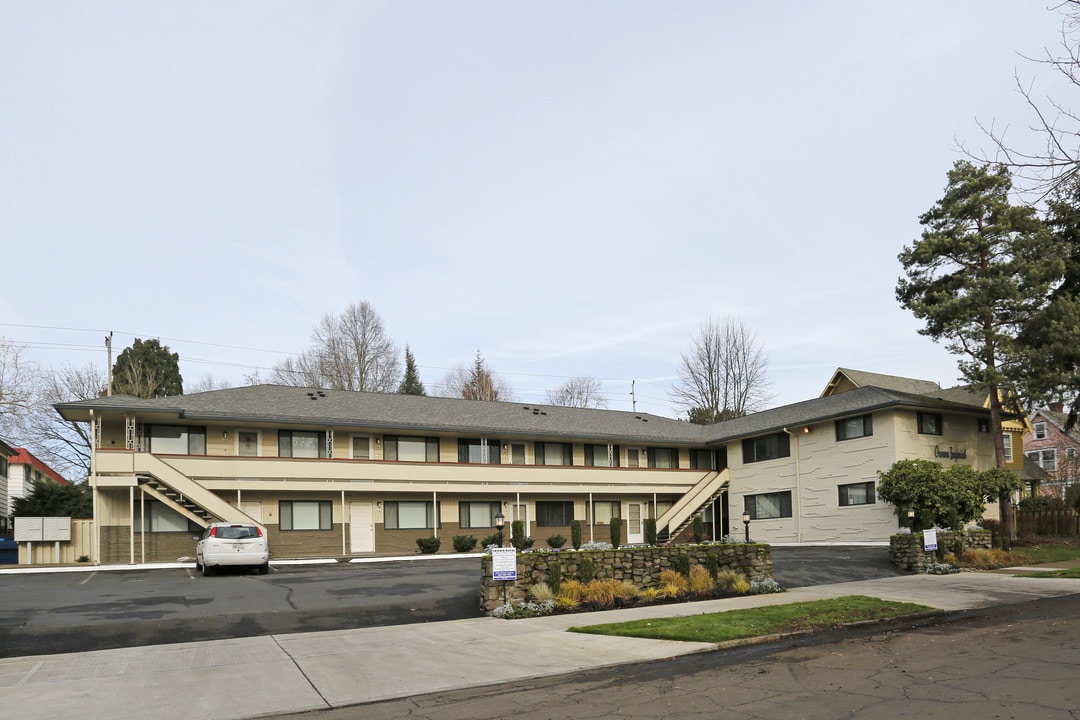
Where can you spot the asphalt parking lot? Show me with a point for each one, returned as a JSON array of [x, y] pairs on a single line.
[[804, 566]]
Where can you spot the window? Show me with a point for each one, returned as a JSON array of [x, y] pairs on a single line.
[[929, 424], [768, 447], [701, 459], [413, 449], [984, 425], [478, 514], [1046, 459], [360, 448], [1070, 453], [661, 457], [247, 443], [857, 494], [554, 513], [554, 454], [633, 457], [1040, 431], [856, 427], [301, 443], [1007, 439], [305, 515], [603, 511], [662, 507], [410, 515], [597, 456], [517, 453], [480, 451], [768, 505], [161, 518], [177, 440]]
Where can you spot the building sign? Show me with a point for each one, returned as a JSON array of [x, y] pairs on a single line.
[[504, 564], [929, 538]]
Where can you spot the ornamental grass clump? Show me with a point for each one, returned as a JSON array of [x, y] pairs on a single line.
[[982, 559], [573, 590], [601, 593], [673, 584], [726, 579], [541, 592], [651, 594], [700, 580]]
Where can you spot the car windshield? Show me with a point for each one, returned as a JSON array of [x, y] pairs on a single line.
[[236, 533]]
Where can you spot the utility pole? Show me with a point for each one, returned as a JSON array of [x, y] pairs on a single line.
[[108, 346], [633, 397]]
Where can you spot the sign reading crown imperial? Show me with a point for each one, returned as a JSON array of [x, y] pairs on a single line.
[[504, 564]]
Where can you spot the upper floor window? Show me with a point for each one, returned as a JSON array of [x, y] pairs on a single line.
[[177, 440], [1046, 459], [768, 447], [414, 449], [554, 453], [360, 447], [301, 444], [930, 424], [1007, 439], [701, 459], [663, 457], [1040, 430], [479, 451], [856, 427], [602, 455]]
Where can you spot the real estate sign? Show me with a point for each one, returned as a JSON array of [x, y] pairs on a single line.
[[929, 538], [504, 564]]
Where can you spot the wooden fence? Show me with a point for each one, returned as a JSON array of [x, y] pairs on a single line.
[[76, 550], [1060, 523]]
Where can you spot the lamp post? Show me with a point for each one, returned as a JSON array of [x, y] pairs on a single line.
[[911, 520], [746, 525], [500, 521]]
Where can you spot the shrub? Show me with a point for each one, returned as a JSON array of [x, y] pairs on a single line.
[[698, 529], [712, 564], [524, 610], [615, 531], [464, 543], [958, 547], [650, 531], [555, 576], [682, 564], [1040, 503], [586, 569], [556, 541], [541, 592], [428, 545], [597, 545], [492, 539], [768, 585], [1072, 496], [517, 536], [575, 534], [701, 581], [986, 559], [940, 568]]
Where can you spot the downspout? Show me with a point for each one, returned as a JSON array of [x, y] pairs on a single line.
[[798, 485]]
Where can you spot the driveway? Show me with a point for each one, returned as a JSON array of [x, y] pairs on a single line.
[[813, 565]]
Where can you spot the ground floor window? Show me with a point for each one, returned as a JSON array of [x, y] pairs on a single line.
[[554, 513], [478, 514], [857, 494], [604, 511], [768, 505], [160, 517], [305, 515], [410, 515]]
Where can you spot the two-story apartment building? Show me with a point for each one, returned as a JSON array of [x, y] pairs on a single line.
[[19, 470], [345, 473]]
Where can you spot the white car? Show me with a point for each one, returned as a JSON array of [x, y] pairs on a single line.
[[233, 544]]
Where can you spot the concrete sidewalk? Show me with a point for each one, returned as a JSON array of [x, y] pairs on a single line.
[[281, 674]]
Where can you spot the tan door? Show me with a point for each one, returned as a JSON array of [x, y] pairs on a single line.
[[361, 527], [635, 530], [253, 509]]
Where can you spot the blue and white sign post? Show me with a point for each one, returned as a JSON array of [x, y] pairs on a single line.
[[504, 566], [929, 539]]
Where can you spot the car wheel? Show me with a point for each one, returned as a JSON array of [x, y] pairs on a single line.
[[264, 568], [206, 570]]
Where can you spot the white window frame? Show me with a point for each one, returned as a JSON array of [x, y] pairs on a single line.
[[1039, 430], [370, 446], [1007, 439]]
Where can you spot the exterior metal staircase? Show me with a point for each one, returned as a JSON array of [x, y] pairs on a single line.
[[184, 495], [681, 514]]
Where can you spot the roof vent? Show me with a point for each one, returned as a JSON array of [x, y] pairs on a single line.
[[536, 411]]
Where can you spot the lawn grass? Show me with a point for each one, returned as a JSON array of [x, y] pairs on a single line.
[[753, 622], [1046, 552], [1067, 573]]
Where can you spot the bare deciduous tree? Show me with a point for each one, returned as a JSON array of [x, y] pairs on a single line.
[[724, 374], [18, 383], [350, 351], [581, 392], [475, 383], [207, 383], [64, 445]]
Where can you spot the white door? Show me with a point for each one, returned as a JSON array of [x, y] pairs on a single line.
[[361, 527], [635, 529]]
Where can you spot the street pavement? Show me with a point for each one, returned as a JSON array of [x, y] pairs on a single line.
[[280, 674]]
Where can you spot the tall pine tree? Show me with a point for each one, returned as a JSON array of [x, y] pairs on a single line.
[[981, 270], [410, 383]]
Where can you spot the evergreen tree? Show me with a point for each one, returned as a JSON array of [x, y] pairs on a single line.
[[51, 499], [147, 369], [981, 270], [410, 383]]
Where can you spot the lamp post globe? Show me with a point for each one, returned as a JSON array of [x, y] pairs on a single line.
[[746, 526], [500, 521]]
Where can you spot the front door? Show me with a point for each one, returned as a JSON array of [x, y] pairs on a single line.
[[361, 527], [635, 530]]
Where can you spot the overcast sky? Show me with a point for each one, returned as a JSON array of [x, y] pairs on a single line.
[[570, 188]]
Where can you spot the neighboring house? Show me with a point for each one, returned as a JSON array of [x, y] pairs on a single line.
[[5, 498], [18, 470], [1054, 449], [346, 473]]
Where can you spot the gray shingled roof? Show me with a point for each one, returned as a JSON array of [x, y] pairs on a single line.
[[411, 413], [914, 386]]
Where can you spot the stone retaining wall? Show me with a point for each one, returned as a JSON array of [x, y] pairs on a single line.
[[906, 551], [640, 565]]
